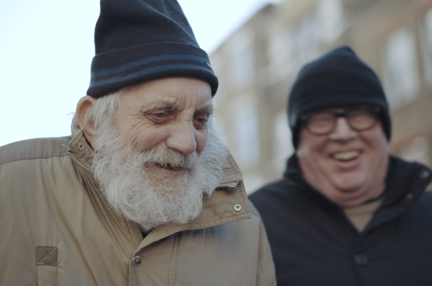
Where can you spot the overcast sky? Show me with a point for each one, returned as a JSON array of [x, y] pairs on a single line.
[[46, 48]]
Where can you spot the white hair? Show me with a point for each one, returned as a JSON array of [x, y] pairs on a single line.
[[141, 192], [102, 110]]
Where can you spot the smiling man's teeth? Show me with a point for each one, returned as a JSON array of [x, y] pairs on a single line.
[[345, 156]]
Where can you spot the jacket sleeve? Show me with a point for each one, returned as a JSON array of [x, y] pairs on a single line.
[[266, 275]]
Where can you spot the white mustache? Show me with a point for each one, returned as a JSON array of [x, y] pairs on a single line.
[[168, 158]]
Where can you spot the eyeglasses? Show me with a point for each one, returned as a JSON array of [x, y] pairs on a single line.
[[324, 122]]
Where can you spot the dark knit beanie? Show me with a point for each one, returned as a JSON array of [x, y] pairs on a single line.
[[141, 40], [337, 79]]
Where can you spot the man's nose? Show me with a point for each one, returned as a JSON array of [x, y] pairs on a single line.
[[343, 131], [183, 139]]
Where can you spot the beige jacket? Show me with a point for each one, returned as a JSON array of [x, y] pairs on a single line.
[[56, 228]]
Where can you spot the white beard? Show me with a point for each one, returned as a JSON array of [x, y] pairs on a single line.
[[142, 192]]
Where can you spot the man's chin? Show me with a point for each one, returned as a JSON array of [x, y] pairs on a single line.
[[348, 182], [350, 193], [349, 187]]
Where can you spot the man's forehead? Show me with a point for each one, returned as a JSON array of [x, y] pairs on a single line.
[[175, 103], [341, 108], [338, 109]]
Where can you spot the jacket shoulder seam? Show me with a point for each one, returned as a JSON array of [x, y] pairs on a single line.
[[43, 148], [28, 159]]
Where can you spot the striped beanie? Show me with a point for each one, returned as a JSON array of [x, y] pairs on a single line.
[[141, 40]]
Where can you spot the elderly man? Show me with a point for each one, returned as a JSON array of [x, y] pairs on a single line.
[[346, 212], [143, 192]]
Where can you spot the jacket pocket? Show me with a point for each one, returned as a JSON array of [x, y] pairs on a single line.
[[46, 261]]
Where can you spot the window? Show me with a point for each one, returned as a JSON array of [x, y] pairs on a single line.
[[330, 15], [289, 49], [426, 36], [247, 136], [306, 37], [281, 54], [218, 65], [400, 68], [242, 59]]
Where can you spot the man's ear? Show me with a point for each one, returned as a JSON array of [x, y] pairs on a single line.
[[84, 121]]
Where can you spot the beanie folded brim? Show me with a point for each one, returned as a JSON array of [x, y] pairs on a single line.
[[335, 90], [114, 70]]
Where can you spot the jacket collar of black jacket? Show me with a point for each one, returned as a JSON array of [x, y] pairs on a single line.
[[405, 182]]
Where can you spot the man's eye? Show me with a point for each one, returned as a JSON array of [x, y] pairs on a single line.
[[160, 115], [200, 122]]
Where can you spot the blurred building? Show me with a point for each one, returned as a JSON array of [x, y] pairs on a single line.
[[257, 64]]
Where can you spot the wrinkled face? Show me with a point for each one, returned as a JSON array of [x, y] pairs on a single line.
[[346, 166], [167, 113], [151, 162]]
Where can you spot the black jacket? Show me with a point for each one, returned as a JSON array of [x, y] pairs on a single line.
[[313, 243]]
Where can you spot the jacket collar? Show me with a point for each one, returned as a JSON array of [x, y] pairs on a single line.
[[400, 176], [80, 150], [405, 183], [295, 178], [228, 203]]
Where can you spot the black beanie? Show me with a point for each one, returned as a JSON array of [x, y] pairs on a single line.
[[141, 40], [337, 79]]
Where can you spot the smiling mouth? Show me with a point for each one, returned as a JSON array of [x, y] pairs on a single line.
[[169, 167], [346, 156]]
